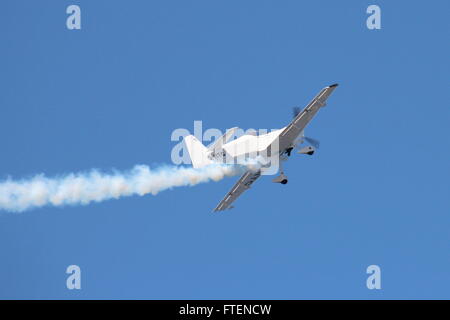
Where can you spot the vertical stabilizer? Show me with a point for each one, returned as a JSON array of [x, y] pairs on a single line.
[[197, 152]]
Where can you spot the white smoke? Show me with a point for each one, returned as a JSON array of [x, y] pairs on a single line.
[[94, 186]]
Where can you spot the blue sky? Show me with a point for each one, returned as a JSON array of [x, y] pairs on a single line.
[[109, 96]]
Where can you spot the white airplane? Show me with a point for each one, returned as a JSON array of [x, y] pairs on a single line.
[[276, 145]]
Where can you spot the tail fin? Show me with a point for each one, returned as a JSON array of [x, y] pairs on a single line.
[[197, 152]]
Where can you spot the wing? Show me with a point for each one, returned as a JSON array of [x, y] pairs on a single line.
[[241, 185], [293, 130]]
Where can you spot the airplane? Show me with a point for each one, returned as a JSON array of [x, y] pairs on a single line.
[[277, 144]]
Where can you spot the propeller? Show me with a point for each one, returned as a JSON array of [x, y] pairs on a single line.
[[315, 143]]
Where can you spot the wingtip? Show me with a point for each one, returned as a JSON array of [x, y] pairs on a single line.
[[334, 85], [222, 209]]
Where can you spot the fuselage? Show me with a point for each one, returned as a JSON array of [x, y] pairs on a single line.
[[252, 145]]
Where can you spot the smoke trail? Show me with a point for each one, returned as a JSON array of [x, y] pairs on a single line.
[[84, 188]]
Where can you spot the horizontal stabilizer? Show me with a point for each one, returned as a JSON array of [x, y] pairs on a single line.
[[217, 145]]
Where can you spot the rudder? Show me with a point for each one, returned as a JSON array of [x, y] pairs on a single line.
[[197, 152]]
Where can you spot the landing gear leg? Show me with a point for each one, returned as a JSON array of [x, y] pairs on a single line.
[[288, 151], [281, 178]]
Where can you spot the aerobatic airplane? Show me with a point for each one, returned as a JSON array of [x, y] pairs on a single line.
[[275, 145]]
